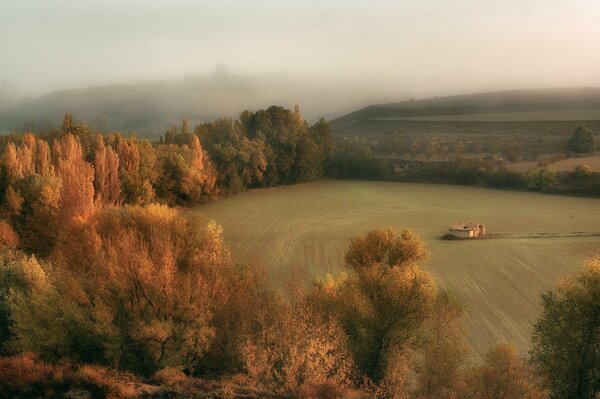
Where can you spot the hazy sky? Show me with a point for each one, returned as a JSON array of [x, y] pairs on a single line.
[[415, 47]]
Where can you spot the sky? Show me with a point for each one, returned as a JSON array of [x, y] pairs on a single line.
[[401, 49]]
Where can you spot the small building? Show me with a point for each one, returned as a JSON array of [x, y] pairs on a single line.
[[467, 230]]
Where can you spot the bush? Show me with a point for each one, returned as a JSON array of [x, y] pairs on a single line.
[[582, 172], [540, 179], [25, 376], [583, 140]]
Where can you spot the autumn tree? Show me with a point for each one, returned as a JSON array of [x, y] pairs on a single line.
[[131, 287], [566, 338], [442, 354], [382, 303], [186, 172], [107, 183], [504, 375], [298, 347], [137, 168], [248, 304], [77, 179]]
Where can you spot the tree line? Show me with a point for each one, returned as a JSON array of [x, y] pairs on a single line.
[[48, 179]]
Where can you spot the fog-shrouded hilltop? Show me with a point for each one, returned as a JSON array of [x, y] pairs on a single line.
[[148, 108], [455, 113]]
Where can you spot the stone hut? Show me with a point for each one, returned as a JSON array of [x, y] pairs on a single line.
[[467, 230]]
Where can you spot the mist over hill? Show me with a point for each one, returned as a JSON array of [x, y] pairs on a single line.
[[148, 108]]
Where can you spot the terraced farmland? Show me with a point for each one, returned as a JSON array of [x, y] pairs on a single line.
[[308, 226]]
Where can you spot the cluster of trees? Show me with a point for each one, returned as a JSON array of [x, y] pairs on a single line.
[[357, 159], [48, 179], [46, 183], [263, 148], [144, 289]]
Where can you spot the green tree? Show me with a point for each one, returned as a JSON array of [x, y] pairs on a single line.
[[293, 151], [14, 270], [582, 140], [566, 338], [540, 179], [240, 162], [36, 220]]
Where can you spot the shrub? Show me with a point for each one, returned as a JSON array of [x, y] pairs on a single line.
[[583, 140]]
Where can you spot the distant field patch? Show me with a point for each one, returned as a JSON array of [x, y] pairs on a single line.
[[568, 115], [522, 167], [570, 164], [308, 227], [566, 165]]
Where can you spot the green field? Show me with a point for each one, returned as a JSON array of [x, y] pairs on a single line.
[[308, 227]]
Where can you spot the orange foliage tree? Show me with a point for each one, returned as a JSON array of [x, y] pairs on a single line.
[[77, 179], [142, 284], [381, 304]]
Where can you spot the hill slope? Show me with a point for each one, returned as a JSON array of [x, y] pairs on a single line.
[[149, 108], [575, 104]]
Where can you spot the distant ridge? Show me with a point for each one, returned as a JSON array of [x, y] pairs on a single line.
[[539, 102]]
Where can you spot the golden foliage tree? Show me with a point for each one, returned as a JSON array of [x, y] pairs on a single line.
[[160, 279], [141, 283], [503, 375], [186, 173], [137, 161], [382, 303], [442, 356], [107, 183], [298, 348], [77, 179]]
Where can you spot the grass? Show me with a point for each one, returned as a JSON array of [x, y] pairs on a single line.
[[307, 227]]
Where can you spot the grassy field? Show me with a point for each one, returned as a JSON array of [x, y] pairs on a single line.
[[308, 227]]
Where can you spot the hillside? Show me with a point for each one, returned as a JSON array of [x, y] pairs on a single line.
[[150, 107], [467, 113]]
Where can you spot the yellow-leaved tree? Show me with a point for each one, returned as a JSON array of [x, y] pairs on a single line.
[[381, 304], [131, 287]]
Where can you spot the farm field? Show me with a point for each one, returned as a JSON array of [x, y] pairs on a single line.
[[558, 115], [566, 165], [307, 227]]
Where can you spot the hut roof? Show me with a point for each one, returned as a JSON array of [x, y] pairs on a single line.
[[465, 226]]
